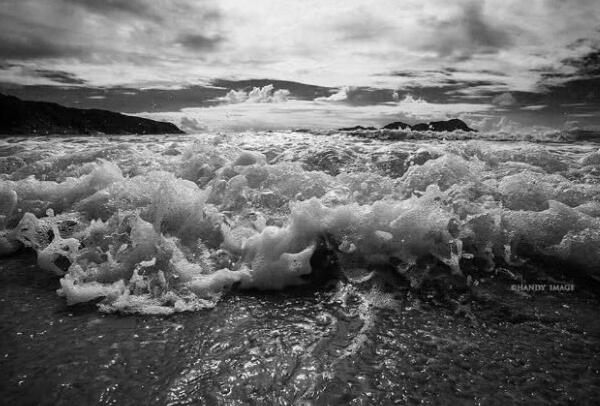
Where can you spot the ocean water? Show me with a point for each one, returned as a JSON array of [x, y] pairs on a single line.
[[299, 268]]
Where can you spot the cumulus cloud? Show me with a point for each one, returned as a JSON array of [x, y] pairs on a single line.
[[339, 96], [504, 100], [265, 94]]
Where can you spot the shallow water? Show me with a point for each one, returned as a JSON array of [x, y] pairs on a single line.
[[387, 267], [289, 347]]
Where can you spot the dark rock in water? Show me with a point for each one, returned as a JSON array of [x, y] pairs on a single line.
[[449, 125], [324, 261], [397, 125], [18, 117], [357, 128], [421, 127]]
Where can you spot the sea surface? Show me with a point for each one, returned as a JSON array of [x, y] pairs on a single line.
[[299, 268]]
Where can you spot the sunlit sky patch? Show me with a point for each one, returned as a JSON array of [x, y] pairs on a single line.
[[349, 62]]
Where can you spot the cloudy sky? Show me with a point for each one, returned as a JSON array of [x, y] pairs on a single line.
[[304, 63]]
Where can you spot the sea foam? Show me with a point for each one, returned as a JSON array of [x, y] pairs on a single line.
[[159, 226]]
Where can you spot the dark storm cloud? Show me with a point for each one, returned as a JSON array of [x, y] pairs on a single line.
[[404, 74], [123, 99], [586, 65], [451, 84], [554, 75], [60, 76], [585, 83], [442, 76], [575, 91], [455, 90], [477, 71], [199, 42], [31, 46], [100, 31], [466, 84], [132, 100], [136, 7], [364, 96], [576, 80], [204, 12], [415, 73], [559, 96], [583, 66], [467, 34], [444, 91]]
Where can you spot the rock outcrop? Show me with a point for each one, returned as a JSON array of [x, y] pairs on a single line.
[[449, 125], [357, 128], [438, 126], [396, 125]]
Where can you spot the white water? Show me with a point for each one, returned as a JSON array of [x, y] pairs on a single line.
[[168, 224]]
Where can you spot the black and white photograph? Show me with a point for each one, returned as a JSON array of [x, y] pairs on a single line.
[[299, 202]]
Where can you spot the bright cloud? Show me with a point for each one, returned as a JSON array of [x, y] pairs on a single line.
[[339, 96], [265, 94], [504, 100]]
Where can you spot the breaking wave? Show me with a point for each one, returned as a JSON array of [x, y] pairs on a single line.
[[163, 225], [501, 132]]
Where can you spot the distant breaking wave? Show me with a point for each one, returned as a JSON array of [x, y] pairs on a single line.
[[532, 134]]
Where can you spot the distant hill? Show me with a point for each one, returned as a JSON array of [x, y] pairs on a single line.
[[18, 117]]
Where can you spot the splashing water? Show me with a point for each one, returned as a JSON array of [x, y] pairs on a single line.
[[154, 226]]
